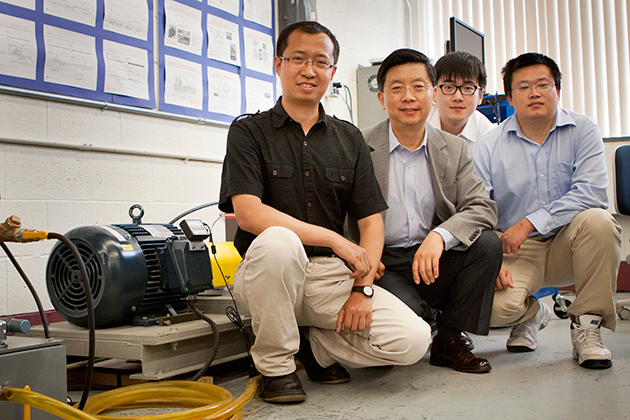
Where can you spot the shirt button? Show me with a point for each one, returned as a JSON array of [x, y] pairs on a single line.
[[307, 173], [409, 192], [309, 204], [542, 175], [275, 172], [544, 202], [343, 177], [305, 143]]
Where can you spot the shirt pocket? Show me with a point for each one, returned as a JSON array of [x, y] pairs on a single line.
[[563, 173], [340, 175], [340, 186], [277, 171]]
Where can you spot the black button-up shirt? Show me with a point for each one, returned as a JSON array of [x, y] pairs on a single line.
[[317, 178]]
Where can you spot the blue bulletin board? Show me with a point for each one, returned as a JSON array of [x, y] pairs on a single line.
[[225, 47], [213, 58], [78, 48]]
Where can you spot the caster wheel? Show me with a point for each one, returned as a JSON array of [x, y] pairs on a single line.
[[624, 313], [560, 307], [562, 314]]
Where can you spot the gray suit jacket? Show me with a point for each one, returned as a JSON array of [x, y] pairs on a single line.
[[462, 205]]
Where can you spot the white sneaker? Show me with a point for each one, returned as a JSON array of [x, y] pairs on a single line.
[[588, 348], [524, 336]]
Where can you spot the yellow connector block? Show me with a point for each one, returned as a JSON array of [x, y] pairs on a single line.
[[228, 258]]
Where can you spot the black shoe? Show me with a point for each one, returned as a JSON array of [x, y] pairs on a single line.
[[286, 389], [334, 374]]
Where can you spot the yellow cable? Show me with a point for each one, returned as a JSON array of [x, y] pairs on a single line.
[[211, 402]]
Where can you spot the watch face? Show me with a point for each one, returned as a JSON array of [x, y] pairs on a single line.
[[368, 291]]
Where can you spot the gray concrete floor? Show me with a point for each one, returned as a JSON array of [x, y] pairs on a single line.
[[544, 384]]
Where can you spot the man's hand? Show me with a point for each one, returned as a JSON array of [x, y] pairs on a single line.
[[355, 315], [505, 279], [356, 256], [380, 270], [426, 262], [513, 238]]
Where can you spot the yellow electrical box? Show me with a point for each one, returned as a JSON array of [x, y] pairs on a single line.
[[228, 258]]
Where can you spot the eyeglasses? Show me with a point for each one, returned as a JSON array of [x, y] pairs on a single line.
[[301, 62], [544, 86], [466, 90], [416, 89]]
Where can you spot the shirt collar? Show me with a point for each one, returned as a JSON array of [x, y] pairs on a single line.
[[561, 119], [394, 143], [280, 116]]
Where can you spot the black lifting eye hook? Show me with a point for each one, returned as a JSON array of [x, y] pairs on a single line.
[[136, 219]]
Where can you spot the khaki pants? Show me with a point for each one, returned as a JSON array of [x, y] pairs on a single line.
[[586, 252], [282, 288]]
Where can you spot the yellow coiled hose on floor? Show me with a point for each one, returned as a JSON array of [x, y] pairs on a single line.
[[210, 402]]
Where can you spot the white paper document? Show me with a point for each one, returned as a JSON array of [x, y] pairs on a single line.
[[27, 4], [223, 41], [18, 47], [183, 85], [127, 17], [126, 70], [230, 6], [70, 58], [259, 95], [183, 27], [224, 92], [82, 11], [258, 51], [258, 11]]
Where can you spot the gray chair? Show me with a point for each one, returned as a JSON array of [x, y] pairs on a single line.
[[622, 193]]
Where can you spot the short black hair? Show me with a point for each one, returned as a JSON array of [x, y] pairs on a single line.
[[461, 64], [526, 60], [404, 56], [307, 27]]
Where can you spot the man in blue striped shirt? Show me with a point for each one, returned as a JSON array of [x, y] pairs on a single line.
[[545, 168]]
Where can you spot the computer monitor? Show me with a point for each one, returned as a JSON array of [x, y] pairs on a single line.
[[465, 38]]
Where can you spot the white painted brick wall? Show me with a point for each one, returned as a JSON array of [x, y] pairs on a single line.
[[57, 190]]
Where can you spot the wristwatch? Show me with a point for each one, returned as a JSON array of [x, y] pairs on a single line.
[[367, 291]]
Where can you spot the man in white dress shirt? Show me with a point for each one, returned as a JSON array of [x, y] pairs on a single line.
[[461, 86]]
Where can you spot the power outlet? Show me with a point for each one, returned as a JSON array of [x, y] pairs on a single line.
[[334, 90]]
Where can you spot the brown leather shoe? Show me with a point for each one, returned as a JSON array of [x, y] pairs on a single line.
[[449, 350]]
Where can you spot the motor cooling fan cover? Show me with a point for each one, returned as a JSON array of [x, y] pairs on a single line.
[[117, 273]]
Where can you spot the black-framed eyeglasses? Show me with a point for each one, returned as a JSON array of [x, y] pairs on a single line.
[[301, 62], [466, 90]]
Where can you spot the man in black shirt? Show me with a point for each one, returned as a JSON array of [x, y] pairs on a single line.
[[291, 175]]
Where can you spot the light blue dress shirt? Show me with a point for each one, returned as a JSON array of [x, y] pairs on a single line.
[[410, 197], [549, 184]]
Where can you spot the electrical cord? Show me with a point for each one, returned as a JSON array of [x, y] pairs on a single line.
[[232, 312], [90, 314], [30, 286], [194, 209], [215, 330]]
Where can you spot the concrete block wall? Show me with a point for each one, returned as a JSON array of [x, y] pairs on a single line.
[[55, 189]]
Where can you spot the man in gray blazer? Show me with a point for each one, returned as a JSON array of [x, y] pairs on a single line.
[[440, 251]]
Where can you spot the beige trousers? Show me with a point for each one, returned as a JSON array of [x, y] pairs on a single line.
[[586, 252], [282, 288]]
